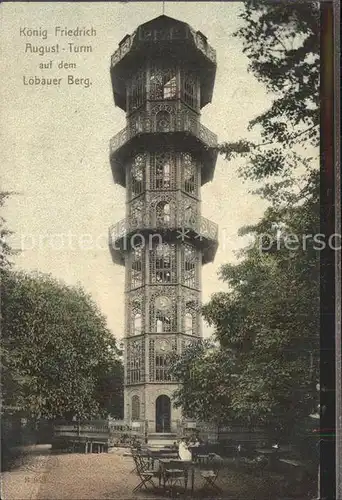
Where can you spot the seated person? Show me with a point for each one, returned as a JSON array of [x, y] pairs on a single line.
[[183, 451], [197, 442]]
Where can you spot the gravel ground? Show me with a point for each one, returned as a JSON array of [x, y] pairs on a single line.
[[107, 476], [88, 477], [23, 481]]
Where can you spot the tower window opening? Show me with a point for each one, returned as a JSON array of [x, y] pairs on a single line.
[[137, 267], [135, 408], [163, 213], [189, 174], [163, 268], [162, 171], [190, 216], [163, 323], [137, 324], [189, 90], [137, 318], [163, 259], [138, 175], [189, 269], [163, 316], [162, 366], [190, 312], [163, 271], [163, 175], [188, 323], [135, 370], [163, 83], [137, 91], [135, 362], [170, 89]]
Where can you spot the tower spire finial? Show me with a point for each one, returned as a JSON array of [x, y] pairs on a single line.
[[163, 7]]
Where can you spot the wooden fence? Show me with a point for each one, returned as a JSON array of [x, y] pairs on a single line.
[[81, 436], [122, 433]]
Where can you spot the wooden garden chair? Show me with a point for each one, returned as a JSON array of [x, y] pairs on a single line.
[[134, 453], [145, 475], [209, 472], [175, 474]]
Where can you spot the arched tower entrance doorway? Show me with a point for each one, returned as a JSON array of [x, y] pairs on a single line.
[[163, 414]]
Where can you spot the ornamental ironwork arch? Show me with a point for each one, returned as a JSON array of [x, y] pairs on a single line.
[[163, 213]]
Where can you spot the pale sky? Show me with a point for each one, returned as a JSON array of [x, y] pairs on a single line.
[[55, 141]]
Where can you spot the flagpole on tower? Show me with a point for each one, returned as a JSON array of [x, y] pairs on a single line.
[[163, 7]]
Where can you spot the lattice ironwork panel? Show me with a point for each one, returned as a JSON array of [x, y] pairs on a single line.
[[137, 123], [137, 266], [162, 209], [163, 83], [160, 351], [191, 312], [190, 266], [136, 181], [135, 312], [202, 44], [189, 212], [163, 171], [177, 32], [208, 228], [190, 89], [163, 310], [151, 359], [187, 342], [127, 271], [190, 174], [137, 90], [135, 368], [163, 264], [137, 213], [164, 118]]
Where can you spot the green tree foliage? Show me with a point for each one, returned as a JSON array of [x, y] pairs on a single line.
[[264, 369], [58, 353], [281, 41], [270, 318], [5, 249], [110, 388], [207, 377]]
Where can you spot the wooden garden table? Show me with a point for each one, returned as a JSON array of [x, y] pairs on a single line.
[[184, 465]]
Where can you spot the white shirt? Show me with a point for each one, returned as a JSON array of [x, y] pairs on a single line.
[[183, 452]]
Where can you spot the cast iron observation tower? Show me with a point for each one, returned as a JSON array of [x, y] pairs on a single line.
[[162, 75]]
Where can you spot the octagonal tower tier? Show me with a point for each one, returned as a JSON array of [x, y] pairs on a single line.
[[162, 75]]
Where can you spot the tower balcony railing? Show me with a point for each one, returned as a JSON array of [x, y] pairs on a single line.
[[170, 33], [203, 227], [124, 47], [146, 123]]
